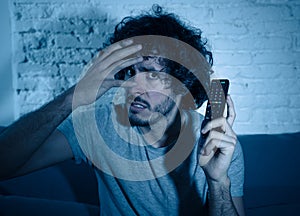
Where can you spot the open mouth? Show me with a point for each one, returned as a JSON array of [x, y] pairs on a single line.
[[138, 105]]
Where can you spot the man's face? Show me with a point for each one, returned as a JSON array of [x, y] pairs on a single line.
[[151, 95]]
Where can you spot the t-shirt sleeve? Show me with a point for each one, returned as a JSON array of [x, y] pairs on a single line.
[[236, 172], [66, 128]]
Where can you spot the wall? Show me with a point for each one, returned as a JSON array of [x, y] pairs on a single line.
[[6, 89], [256, 44]]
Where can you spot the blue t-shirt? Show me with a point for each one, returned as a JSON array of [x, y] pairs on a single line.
[[135, 178]]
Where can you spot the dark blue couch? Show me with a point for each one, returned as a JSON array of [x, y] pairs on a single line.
[[272, 183]]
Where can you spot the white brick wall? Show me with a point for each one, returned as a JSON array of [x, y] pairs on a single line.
[[256, 44]]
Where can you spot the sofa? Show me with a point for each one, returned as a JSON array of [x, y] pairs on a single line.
[[272, 183]]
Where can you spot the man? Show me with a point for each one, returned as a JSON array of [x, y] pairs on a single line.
[[145, 150]]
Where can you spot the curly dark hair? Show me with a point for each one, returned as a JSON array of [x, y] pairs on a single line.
[[157, 22]]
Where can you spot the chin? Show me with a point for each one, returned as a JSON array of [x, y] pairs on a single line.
[[136, 121]]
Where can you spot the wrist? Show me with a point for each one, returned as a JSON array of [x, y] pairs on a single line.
[[220, 199], [222, 184], [60, 106]]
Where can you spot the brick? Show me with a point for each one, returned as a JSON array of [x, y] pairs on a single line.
[[249, 13], [295, 11], [44, 56], [29, 11], [76, 25], [273, 43], [73, 56], [243, 102], [240, 88], [103, 28], [275, 57], [79, 41], [232, 58], [70, 70], [38, 83], [252, 43], [198, 13], [22, 26], [265, 128], [269, 101], [284, 26], [268, 72], [94, 41], [28, 69], [35, 41], [272, 116], [35, 97], [69, 41], [273, 86], [243, 115], [267, 2], [232, 28]]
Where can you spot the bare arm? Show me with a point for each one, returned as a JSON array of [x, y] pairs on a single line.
[[220, 201], [21, 140], [239, 205], [221, 146], [32, 142]]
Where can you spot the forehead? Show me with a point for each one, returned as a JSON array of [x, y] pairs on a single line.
[[150, 63]]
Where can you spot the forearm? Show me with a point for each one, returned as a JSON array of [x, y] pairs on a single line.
[[220, 200], [21, 139]]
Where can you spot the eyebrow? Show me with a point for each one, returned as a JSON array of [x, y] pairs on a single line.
[[143, 68]]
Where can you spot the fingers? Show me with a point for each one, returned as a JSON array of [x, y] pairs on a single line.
[[115, 57], [120, 54], [225, 142], [116, 52], [231, 111], [217, 140], [219, 123], [121, 64], [219, 146], [116, 46], [108, 74], [216, 123]]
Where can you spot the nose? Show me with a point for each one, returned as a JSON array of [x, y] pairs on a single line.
[[140, 84]]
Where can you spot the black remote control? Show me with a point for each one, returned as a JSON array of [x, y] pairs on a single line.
[[216, 101]]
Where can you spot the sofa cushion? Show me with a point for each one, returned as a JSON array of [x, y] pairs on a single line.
[[18, 205], [271, 173], [65, 181]]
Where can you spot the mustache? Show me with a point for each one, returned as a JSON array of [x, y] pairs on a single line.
[[132, 98]]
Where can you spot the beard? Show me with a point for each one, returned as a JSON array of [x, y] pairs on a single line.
[[157, 112]]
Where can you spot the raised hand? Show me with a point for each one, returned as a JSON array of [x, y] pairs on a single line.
[[219, 147], [99, 74]]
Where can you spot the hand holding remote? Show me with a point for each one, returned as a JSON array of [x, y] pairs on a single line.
[[214, 110]]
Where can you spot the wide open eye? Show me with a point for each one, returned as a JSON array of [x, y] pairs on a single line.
[[153, 75]]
